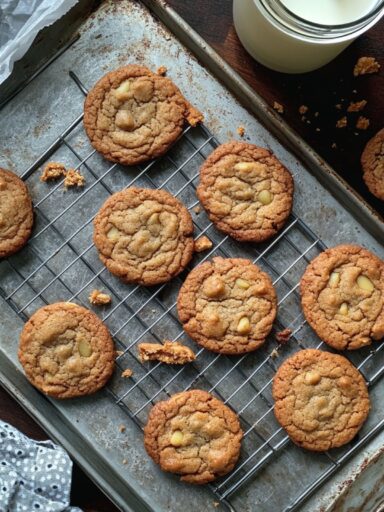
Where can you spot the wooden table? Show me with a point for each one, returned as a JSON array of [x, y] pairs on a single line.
[[320, 91]]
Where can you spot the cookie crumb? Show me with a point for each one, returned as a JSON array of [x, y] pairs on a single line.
[[356, 106], [73, 179], [338, 106], [127, 373], [162, 70], [362, 123], [303, 118], [241, 131], [122, 428], [278, 107], [283, 336], [366, 66], [125, 461], [119, 353], [171, 352], [318, 129], [197, 209], [53, 171], [194, 116], [333, 145], [98, 298], [216, 504], [202, 244], [316, 114], [274, 353], [303, 109], [342, 123]]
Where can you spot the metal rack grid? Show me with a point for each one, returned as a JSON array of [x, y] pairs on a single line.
[[60, 263]]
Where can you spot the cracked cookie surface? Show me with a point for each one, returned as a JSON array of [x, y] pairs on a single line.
[[372, 161], [227, 305], [133, 115], [321, 399], [16, 213], [66, 351], [144, 236], [246, 191], [342, 295], [194, 435]]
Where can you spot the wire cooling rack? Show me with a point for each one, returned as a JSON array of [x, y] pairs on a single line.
[[60, 263]]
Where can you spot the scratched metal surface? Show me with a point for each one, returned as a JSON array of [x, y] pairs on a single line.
[[120, 33]]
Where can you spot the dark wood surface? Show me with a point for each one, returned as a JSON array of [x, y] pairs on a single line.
[[320, 91]]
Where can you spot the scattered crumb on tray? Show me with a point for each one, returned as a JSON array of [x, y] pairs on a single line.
[[316, 114], [197, 209], [125, 461], [342, 123], [333, 145], [356, 106], [362, 123], [119, 353], [241, 131], [53, 171], [202, 244], [127, 373], [366, 66], [278, 107], [318, 129], [194, 116], [98, 298], [338, 106], [74, 179], [122, 428], [162, 70], [171, 352], [303, 109], [274, 353], [283, 336], [216, 504]]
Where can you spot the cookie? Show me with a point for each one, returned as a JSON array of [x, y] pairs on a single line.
[[342, 295], [144, 236], [227, 305], [66, 351], [194, 435], [16, 213], [321, 399], [246, 191], [133, 115], [372, 162]]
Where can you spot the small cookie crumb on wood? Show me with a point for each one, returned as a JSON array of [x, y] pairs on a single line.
[[122, 428], [169, 353], [202, 244], [241, 131], [362, 123], [283, 336], [356, 106], [366, 66], [127, 373], [303, 109], [162, 70], [278, 107], [73, 179], [197, 209], [98, 298], [342, 123], [53, 171]]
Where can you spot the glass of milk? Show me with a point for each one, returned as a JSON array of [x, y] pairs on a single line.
[[295, 36]]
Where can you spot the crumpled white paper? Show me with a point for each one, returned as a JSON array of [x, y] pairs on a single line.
[[20, 22]]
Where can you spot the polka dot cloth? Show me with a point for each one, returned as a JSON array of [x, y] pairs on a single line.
[[34, 476]]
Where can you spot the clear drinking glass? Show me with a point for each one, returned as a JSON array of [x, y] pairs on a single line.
[[283, 41]]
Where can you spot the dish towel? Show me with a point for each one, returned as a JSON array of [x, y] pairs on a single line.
[[34, 475]]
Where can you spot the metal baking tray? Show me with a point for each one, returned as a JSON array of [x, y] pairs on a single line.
[[44, 122]]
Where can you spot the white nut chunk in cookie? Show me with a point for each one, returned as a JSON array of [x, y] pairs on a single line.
[[85, 348], [244, 326], [312, 378], [177, 438], [343, 310], [125, 120], [265, 197], [242, 283], [365, 284], [113, 234], [246, 166], [214, 287], [334, 279]]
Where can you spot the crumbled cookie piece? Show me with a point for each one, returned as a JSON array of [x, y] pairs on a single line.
[[339, 106], [372, 161], [342, 123], [127, 373], [333, 145], [171, 352], [362, 123], [316, 114], [274, 353], [124, 461], [73, 179], [241, 131], [283, 336], [53, 171], [162, 70], [122, 428], [303, 109], [202, 244], [119, 353], [98, 298], [356, 106], [278, 107], [216, 504], [318, 129], [194, 116], [197, 209], [366, 66]]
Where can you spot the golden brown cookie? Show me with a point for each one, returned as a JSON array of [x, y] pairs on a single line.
[[194, 435], [16, 213], [227, 305], [66, 351], [372, 162], [144, 236], [133, 115], [246, 191], [342, 294], [321, 399]]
